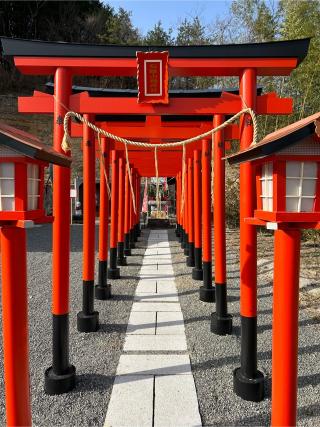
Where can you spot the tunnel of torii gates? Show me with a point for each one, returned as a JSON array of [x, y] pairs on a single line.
[[174, 121]]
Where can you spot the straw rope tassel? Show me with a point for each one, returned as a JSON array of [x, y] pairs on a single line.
[[104, 167]]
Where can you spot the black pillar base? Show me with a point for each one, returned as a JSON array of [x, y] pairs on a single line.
[[88, 319], [206, 294], [102, 291], [88, 322], [221, 325], [190, 260], [113, 271], [251, 389], [59, 383], [207, 291], [186, 244], [132, 240], [197, 274], [127, 252], [121, 260], [180, 237], [248, 382], [61, 376]]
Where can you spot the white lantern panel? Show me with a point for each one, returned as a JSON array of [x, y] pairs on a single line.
[[307, 204], [293, 187], [33, 186], [7, 190], [6, 170], [7, 187], [310, 170], [309, 187], [292, 204], [7, 204], [267, 203], [293, 169], [32, 203]]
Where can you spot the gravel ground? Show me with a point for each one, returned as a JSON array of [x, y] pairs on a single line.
[[213, 358], [94, 355]]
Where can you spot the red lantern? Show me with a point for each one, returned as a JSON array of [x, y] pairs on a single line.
[[287, 168], [22, 162]]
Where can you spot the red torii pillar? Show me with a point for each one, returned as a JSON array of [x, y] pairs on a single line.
[[248, 382], [221, 321], [190, 260], [60, 377], [88, 319], [207, 291], [138, 204], [121, 259], [197, 272], [127, 249], [103, 289], [114, 271], [131, 232], [178, 225], [185, 212]]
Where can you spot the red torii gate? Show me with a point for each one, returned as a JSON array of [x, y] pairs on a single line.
[[246, 61]]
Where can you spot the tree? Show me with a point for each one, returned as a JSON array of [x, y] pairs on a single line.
[[158, 36], [120, 30], [191, 33]]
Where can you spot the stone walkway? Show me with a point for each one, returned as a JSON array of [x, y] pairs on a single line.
[[154, 384]]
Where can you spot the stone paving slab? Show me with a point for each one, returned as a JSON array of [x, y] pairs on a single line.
[[147, 286], [176, 402], [141, 323], [154, 364], [154, 306], [155, 343], [131, 402], [170, 323]]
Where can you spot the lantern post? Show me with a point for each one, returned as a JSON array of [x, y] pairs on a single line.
[[15, 326], [248, 381], [114, 271], [221, 321], [88, 319], [103, 289], [190, 260], [60, 377], [207, 291], [285, 327], [121, 260], [197, 271]]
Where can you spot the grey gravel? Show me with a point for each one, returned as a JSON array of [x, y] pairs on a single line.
[[95, 355], [213, 358]]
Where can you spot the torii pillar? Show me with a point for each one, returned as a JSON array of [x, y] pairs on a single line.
[[60, 377], [248, 382]]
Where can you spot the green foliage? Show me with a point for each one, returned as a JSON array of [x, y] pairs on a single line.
[[158, 36]]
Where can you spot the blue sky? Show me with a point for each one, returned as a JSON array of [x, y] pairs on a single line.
[[147, 13]]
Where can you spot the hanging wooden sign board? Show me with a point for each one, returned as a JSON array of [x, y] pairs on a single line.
[[152, 75]]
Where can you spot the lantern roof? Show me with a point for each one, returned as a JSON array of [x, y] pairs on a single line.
[[278, 49], [278, 140], [30, 146]]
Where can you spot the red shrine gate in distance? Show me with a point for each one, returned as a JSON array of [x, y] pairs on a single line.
[[246, 61]]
